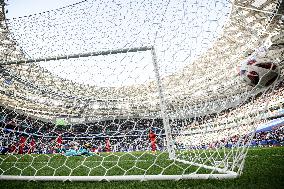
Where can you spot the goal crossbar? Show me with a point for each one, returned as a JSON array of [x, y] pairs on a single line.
[[79, 55]]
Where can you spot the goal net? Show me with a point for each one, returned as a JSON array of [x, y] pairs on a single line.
[[138, 90]]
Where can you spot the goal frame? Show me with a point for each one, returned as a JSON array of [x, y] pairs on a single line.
[[223, 174]]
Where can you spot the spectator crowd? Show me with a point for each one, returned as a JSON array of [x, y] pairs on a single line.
[[22, 134]]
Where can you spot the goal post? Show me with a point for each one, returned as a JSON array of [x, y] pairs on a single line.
[[166, 121]]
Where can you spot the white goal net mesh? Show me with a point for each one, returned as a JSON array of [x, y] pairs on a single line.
[[138, 90]]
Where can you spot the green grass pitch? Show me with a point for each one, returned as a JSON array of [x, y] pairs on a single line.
[[264, 168]]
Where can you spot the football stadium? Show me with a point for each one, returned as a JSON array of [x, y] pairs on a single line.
[[110, 93]]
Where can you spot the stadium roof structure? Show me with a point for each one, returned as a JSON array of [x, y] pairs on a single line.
[[28, 87]]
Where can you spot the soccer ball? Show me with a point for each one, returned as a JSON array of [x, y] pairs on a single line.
[[258, 73]]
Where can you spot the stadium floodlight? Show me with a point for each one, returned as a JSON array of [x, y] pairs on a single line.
[[134, 90]]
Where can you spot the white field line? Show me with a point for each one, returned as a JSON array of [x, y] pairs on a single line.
[[275, 155], [64, 160]]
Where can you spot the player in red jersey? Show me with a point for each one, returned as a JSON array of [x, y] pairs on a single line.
[[59, 141], [13, 148], [22, 144], [32, 146], [152, 137], [107, 149]]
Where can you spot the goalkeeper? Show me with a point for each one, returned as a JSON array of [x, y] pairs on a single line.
[[83, 150]]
